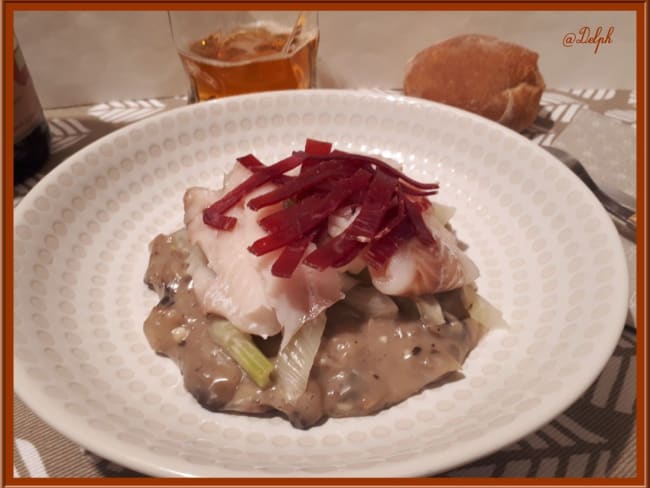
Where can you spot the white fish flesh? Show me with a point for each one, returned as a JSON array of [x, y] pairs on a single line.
[[416, 268], [239, 285]]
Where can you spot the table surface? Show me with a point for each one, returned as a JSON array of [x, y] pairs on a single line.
[[595, 437]]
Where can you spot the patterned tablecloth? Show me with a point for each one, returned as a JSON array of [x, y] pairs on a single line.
[[595, 437]]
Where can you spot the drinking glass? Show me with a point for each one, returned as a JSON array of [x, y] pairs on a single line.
[[233, 52]]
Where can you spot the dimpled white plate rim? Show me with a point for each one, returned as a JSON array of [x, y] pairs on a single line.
[[549, 258]]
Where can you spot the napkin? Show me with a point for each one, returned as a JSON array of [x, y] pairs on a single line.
[[605, 143]]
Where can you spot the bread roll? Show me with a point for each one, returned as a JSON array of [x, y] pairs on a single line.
[[482, 74]]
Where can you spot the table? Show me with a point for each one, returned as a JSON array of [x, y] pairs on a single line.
[[595, 437]]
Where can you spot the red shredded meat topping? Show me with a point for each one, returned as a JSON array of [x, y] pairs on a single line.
[[390, 206]]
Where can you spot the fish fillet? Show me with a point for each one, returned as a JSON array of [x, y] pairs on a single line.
[[239, 285], [416, 268]]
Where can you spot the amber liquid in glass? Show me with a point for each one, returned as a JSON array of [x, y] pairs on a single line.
[[249, 60]]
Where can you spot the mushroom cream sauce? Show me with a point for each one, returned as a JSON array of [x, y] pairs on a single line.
[[363, 365]]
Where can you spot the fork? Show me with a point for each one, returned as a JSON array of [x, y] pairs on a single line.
[[625, 217]]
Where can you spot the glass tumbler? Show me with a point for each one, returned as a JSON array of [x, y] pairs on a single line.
[[233, 52]]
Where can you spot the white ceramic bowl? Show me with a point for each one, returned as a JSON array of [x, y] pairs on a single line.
[[549, 258]]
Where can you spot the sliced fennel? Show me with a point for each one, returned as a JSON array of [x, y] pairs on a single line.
[[461, 303], [430, 309], [458, 302], [487, 314], [371, 302], [294, 363], [241, 348]]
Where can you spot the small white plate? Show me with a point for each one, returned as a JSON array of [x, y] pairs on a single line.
[[549, 257]]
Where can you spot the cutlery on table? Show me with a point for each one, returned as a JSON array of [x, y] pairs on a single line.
[[624, 213]]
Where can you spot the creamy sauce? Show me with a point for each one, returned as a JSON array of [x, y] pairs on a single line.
[[364, 364]]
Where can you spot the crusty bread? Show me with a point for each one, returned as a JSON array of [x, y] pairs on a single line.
[[482, 74]]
